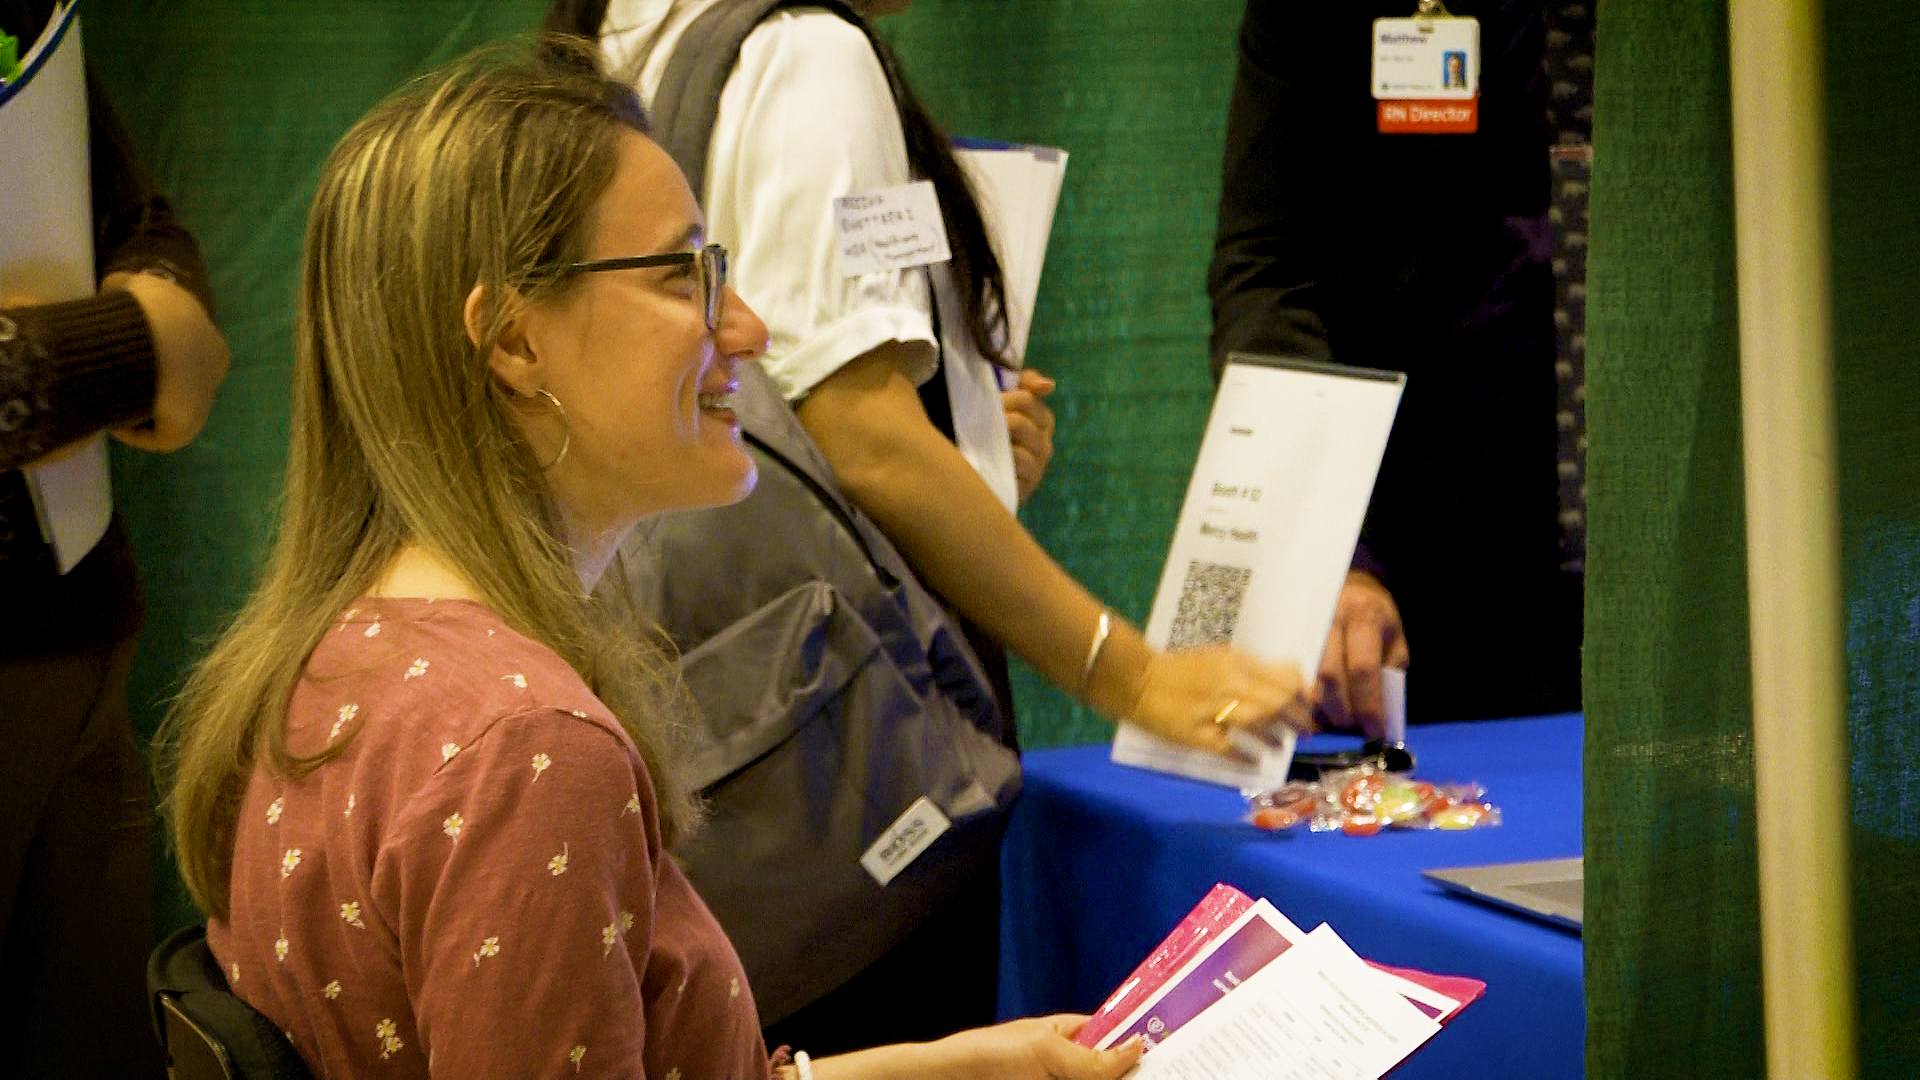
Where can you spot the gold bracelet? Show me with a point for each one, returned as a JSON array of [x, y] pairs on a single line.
[[1093, 651]]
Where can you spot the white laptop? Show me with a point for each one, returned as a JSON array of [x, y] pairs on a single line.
[[1548, 889]]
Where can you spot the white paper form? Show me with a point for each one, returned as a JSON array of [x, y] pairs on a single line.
[[1266, 534], [46, 253], [1018, 188], [1316, 1012]]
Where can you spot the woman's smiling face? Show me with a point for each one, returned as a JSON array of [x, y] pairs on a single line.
[[641, 378]]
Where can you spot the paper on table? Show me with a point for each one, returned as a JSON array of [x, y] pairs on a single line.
[[1267, 531], [46, 252], [1316, 1012], [1018, 188]]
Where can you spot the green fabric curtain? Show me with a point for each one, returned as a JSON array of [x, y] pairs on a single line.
[[1873, 125], [234, 105], [1673, 968]]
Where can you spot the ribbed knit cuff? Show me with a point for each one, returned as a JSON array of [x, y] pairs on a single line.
[[69, 369]]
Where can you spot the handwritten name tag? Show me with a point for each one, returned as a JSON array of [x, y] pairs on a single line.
[[890, 229]]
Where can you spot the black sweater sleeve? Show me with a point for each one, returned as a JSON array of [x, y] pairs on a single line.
[[70, 369], [1272, 247]]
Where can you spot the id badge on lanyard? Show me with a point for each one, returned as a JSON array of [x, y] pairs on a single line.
[[1426, 73]]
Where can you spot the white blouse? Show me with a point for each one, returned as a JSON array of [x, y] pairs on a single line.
[[807, 117]]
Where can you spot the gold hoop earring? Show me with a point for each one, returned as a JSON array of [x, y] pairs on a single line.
[[566, 430]]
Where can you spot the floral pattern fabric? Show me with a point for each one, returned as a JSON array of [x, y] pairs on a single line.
[[476, 885]]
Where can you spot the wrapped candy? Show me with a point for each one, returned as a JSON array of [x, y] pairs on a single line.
[[1363, 800]]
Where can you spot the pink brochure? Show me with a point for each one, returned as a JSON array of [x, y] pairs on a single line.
[[1215, 912], [1440, 997]]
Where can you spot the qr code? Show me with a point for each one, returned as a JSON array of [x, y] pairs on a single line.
[[1209, 604]]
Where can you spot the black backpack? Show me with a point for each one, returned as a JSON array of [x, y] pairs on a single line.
[[835, 690]]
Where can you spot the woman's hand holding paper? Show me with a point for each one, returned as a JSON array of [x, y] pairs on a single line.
[[1030, 428], [1198, 697]]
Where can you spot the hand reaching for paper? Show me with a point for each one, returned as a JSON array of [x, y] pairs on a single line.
[[1193, 696], [1030, 428], [1366, 636]]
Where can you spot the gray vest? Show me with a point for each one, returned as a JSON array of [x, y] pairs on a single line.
[[835, 691]]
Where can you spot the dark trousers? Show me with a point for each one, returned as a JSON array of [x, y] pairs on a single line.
[[942, 979], [76, 869]]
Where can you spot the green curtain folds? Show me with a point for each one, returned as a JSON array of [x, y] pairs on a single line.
[[1673, 969]]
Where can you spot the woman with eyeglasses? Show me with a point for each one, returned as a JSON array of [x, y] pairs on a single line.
[[884, 371], [421, 788]]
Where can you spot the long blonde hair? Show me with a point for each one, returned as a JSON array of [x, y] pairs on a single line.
[[486, 172]]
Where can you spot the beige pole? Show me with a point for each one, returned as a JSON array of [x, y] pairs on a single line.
[[1793, 537]]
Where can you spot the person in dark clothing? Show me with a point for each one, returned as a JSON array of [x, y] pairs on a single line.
[[1427, 254], [141, 357]]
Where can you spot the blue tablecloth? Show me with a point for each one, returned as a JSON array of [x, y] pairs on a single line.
[[1102, 860]]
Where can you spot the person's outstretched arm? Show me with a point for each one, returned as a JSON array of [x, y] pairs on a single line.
[[897, 467]]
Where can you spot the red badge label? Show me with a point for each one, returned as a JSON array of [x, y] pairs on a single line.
[[1417, 117]]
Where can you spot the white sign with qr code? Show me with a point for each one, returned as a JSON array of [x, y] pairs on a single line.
[[910, 834], [1266, 533]]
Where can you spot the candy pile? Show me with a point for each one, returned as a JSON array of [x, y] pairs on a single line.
[[1362, 801]]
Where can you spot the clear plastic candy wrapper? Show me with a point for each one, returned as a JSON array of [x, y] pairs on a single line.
[[1361, 801]]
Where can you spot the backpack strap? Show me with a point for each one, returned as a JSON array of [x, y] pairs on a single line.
[[688, 101], [683, 112]]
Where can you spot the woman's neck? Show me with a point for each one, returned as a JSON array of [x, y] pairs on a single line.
[[418, 572]]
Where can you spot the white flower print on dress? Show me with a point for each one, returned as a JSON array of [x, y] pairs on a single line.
[[609, 934], [233, 972], [348, 617], [274, 808], [342, 719], [452, 827], [516, 679], [350, 914], [673, 1073], [633, 805], [578, 1053], [280, 948], [626, 921], [541, 763], [390, 1042], [349, 812], [558, 864], [488, 947], [331, 990], [578, 714], [447, 750], [288, 861], [418, 668], [373, 630], [733, 989]]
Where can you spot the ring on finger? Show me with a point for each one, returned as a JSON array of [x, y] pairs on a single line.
[[1220, 718]]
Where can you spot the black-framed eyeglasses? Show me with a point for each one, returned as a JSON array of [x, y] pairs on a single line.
[[711, 261]]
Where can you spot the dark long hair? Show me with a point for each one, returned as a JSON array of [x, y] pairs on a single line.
[[975, 269]]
